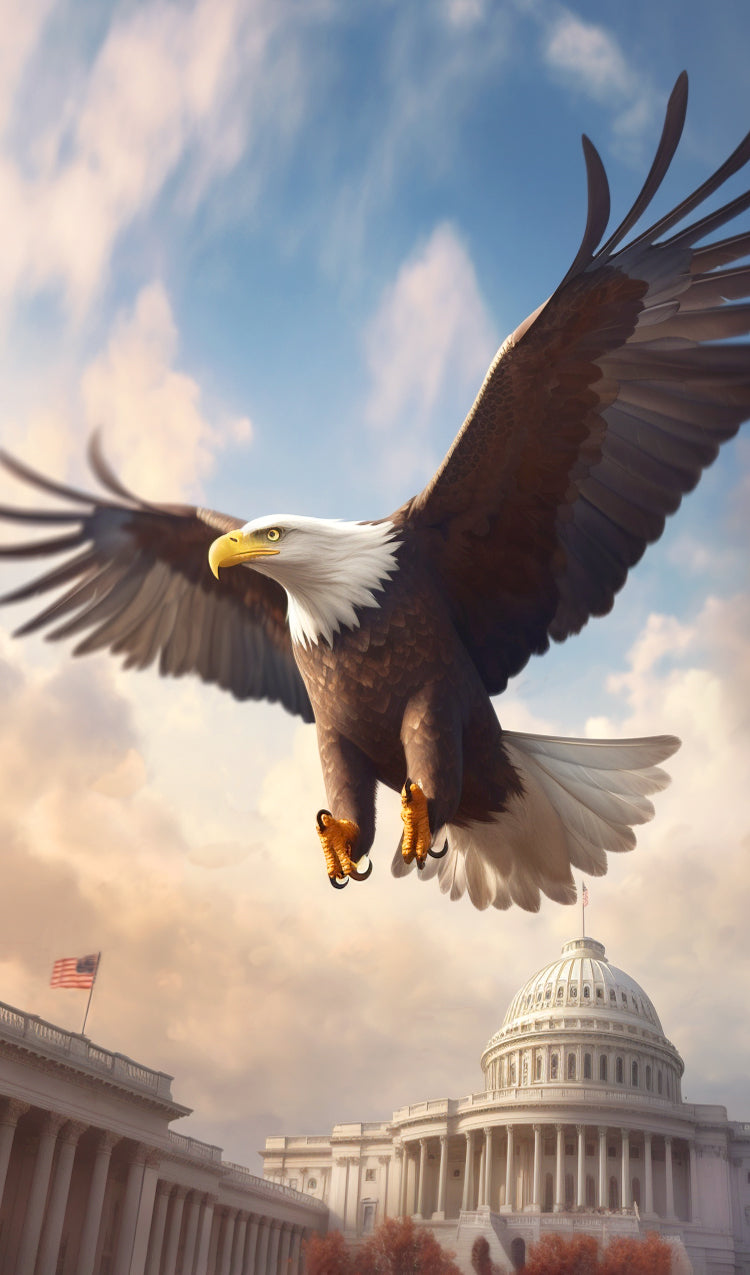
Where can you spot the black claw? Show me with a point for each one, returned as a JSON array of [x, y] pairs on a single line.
[[438, 854], [361, 876], [338, 885], [319, 818], [407, 791]]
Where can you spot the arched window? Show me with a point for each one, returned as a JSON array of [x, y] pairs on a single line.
[[587, 1066], [560, 992], [587, 992], [574, 993], [602, 1066], [513, 1071], [553, 1066], [648, 1077], [618, 1071], [538, 1066], [613, 995], [525, 1070], [659, 1082], [634, 1074], [571, 1066], [548, 992]]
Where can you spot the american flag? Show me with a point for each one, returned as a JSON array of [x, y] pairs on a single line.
[[584, 894], [75, 971]]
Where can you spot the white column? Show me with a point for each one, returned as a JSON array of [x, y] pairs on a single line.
[[204, 1235], [422, 1167], [296, 1252], [581, 1191], [238, 1252], [58, 1199], [227, 1237], [625, 1172], [403, 1182], [670, 1176], [173, 1229], [487, 1198], [32, 1225], [649, 1169], [466, 1202], [93, 1220], [694, 1200], [9, 1117], [156, 1239], [510, 1193], [559, 1205], [250, 1247], [286, 1239], [191, 1230], [603, 1194], [536, 1198], [385, 1174], [439, 1215], [137, 1209], [273, 1247]]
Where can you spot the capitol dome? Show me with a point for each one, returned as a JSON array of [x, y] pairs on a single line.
[[581, 1019]]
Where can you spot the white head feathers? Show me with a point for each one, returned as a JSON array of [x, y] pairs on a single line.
[[330, 570]]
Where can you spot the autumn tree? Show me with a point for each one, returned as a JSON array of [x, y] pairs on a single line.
[[481, 1262], [651, 1256], [328, 1255], [398, 1247], [560, 1255]]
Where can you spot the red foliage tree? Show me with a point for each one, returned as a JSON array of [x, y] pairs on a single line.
[[651, 1256], [480, 1258], [328, 1255], [398, 1247], [558, 1255]]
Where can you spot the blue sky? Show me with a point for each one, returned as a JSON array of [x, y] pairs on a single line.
[[271, 248]]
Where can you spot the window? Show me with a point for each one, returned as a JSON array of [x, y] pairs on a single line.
[[547, 993], [312, 1184], [659, 1082], [369, 1175], [613, 995], [513, 1072], [590, 1192], [624, 998], [571, 1066], [525, 1070], [553, 1066], [603, 1067], [574, 993], [634, 1074], [560, 992], [587, 1066], [538, 1067], [600, 993], [619, 1071], [648, 1077], [587, 993]]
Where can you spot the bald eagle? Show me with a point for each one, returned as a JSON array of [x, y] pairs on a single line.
[[596, 415]]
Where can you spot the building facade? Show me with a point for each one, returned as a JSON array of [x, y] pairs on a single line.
[[94, 1182], [580, 1126]]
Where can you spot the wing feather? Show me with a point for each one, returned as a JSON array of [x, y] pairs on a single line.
[[140, 586], [597, 415]]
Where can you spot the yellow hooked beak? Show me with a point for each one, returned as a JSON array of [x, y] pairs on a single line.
[[236, 547]]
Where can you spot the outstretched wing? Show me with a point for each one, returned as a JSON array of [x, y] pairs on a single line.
[[137, 582], [595, 417]]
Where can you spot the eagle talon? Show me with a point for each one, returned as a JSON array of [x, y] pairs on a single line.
[[417, 838], [438, 854], [339, 837]]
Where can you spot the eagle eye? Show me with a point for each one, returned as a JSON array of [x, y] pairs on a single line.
[[273, 533]]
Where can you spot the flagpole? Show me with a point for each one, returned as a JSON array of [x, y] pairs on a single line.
[[91, 993]]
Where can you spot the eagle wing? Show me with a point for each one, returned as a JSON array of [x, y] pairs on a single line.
[[137, 582], [595, 417]]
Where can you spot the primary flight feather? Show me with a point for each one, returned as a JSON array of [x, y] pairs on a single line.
[[598, 413]]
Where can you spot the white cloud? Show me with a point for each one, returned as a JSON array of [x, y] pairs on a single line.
[[589, 59], [171, 85], [150, 412], [428, 346]]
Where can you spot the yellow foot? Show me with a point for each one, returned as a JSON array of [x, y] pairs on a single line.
[[338, 837], [417, 837]]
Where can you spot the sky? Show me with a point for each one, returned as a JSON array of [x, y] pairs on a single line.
[[270, 247]]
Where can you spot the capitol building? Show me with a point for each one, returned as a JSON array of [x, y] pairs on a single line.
[[579, 1126]]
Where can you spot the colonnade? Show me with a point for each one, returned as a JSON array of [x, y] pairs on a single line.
[[522, 1174], [73, 1197]]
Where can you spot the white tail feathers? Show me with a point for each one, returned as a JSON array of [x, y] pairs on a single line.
[[580, 800]]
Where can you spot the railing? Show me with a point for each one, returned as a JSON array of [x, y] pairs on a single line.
[[36, 1032], [194, 1149], [240, 1176], [297, 1140], [531, 1095]]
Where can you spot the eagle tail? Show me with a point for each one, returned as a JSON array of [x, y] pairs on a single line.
[[581, 799]]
